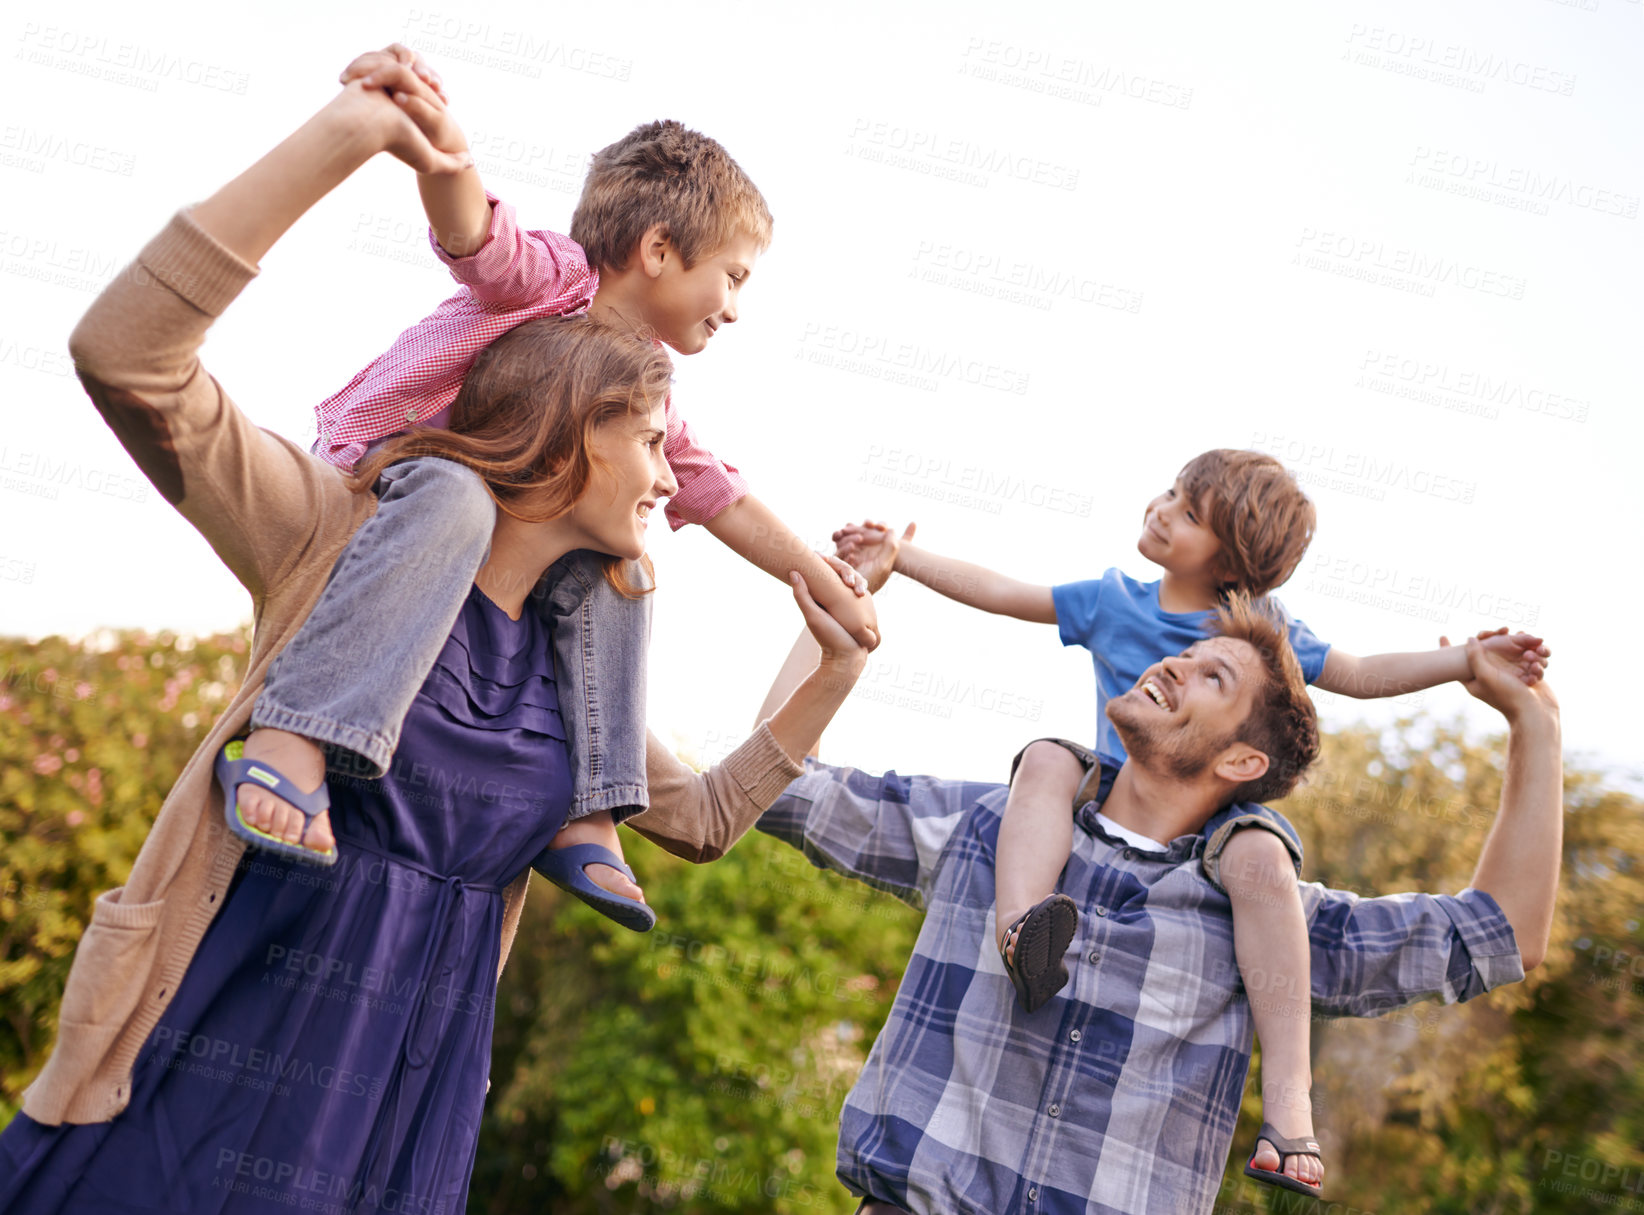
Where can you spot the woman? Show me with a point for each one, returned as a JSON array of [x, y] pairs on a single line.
[[270, 1037]]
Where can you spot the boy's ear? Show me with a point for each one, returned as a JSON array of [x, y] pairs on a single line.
[[656, 250]]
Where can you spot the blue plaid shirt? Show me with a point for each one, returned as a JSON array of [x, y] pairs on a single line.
[[1121, 1094]]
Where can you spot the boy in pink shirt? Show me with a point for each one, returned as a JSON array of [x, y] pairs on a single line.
[[666, 232]]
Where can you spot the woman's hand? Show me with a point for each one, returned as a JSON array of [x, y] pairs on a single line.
[[416, 88], [413, 123], [839, 649], [254, 210]]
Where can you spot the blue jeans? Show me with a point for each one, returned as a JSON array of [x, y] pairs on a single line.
[[346, 680]]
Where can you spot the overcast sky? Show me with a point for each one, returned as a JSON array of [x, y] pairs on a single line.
[[1026, 265]]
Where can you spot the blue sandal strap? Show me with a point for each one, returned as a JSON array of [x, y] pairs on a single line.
[[564, 868], [232, 771]]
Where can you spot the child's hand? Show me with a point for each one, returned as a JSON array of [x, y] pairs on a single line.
[[840, 643], [1528, 654], [395, 52], [399, 73], [871, 548], [1498, 682], [854, 610]]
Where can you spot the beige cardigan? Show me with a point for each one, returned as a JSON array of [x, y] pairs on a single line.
[[278, 517]]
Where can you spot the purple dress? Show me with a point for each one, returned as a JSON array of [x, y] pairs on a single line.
[[329, 1046]]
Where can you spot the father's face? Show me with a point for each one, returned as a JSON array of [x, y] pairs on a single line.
[[1183, 712]]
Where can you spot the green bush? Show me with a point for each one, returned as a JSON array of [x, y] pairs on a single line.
[[701, 1067]]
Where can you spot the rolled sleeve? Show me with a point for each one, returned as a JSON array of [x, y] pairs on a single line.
[[886, 831], [707, 485], [519, 268], [1371, 956], [1241, 816]]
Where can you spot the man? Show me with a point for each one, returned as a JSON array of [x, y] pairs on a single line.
[[1122, 1093]]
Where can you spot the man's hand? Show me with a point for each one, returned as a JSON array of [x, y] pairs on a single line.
[[871, 548], [1499, 682], [1526, 651]]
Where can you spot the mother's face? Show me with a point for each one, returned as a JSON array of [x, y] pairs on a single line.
[[630, 474]]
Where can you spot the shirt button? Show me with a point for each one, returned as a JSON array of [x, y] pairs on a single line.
[[1055, 1111], [410, 415], [1033, 1193], [1094, 956], [1074, 1036], [1101, 911], [1130, 854]]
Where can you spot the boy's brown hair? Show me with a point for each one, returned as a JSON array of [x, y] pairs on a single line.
[[1283, 724], [1255, 508], [525, 416], [664, 173]]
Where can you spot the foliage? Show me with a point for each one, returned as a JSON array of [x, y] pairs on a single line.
[[91, 738], [701, 1067]]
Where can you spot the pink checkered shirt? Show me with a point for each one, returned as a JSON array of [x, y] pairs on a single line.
[[516, 276]]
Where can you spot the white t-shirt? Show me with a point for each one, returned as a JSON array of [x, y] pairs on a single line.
[[1134, 838]]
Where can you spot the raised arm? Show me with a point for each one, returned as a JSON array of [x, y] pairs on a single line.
[[255, 209], [255, 497], [752, 530], [1519, 863], [1373, 955], [1378, 675], [972, 585], [506, 268], [699, 816]]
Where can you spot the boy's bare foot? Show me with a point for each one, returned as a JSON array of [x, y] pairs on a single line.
[[303, 764], [1291, 1114], [597, 828]]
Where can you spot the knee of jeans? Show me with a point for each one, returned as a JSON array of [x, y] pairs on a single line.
[[467, 512]]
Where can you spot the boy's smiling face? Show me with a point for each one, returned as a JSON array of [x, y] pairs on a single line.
[[686, 307], [1176, 536]]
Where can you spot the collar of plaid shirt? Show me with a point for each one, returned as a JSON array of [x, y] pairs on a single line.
[[1122, 1093]]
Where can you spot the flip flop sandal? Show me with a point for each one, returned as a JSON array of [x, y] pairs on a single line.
[[563, 867], [1041, 938], [1286, 1148], [234, 770]]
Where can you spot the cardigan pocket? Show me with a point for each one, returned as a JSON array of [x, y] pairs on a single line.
[[112, 962]]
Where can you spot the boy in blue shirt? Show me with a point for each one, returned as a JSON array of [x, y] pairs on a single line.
[[1233, 520]]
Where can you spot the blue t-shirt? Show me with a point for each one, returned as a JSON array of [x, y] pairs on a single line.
[[1120, 622]]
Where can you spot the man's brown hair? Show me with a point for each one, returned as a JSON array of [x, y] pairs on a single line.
[[525, 416], [1255, 508], [664, 173], [1282, 724]]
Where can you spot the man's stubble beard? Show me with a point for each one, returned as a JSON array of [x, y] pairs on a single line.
[[1176, 753]]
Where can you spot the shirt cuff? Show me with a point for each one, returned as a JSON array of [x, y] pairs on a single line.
[[194, 264], [481, 263], [1490, 943], [710, 492], [1211, 861], [761, 768]]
